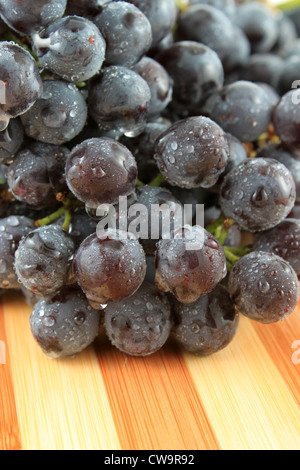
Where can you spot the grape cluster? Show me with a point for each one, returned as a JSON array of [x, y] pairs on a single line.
[[149, 169]]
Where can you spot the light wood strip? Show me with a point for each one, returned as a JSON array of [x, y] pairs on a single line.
[[9, 427], [61, 404], [278, 339], [154, 401], [245, 397]]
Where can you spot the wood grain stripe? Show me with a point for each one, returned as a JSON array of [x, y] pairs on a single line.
[[9, 427], [278, 339], [61, 404], [245, 397], [154, 401]]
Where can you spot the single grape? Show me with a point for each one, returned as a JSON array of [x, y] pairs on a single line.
[[27, 17], [192, 153], [71, 47], [226, 6], [258, 194], [139, 325], [20, 81], [283, 240], [159, 82], [287, 35], [86, 8], [189, 265], [264, 287], [265, 68], [142, 148], [260, 24], [289, 75], [65, 324], [207, 25], [43, 259], [286, 118], [36, 174], [162, 15], [11, 140], [99, 171], [12, 229], [283, 155], [162, 209], [208, 325], [240, 53], [242, 109], [58, 115], [119, 100], [127, 32], [109, 266], [195, 70]]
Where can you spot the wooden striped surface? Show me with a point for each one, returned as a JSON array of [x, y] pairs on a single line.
[[244, 397]]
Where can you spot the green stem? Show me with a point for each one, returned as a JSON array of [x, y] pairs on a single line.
[[67, 221], [157, 181], [231, 257], [51, 217], [139, 183]]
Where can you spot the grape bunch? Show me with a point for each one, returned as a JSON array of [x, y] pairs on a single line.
[[149, 170]]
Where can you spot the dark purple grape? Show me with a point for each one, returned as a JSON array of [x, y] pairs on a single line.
[[43, 260], [287, 35], [20, 81], [242, 109], [290, 74], [127, 32], [258, 194], [71, 47], [264, 287], [282, 240], [240, 53], [195, 70], [294, 50], [109, 266], [265, 68], [159, 82], [208, 325], [207, 25], [158, 223], [58, 115], [192, 153], [119, 100], [27, 17], [226, 6], [99, 171], [281, 154], [162, 15], [260, 24], [273, 94], [139, 325], [190, 265], [65, 324], [81, 227], [142, 148], [294, 15], [36, 174], [11, 140], [286, 118], [86, 8], [12, 229], [237, 154]]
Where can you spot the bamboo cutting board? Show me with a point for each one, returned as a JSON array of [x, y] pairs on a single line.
[[244, 397]]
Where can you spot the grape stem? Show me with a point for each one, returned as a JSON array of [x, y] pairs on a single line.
[[157, 181], [219, 229], [68, 205]]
